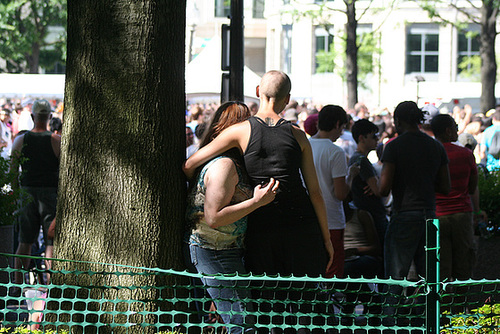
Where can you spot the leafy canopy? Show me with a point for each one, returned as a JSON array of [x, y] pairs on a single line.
[[29, 34]]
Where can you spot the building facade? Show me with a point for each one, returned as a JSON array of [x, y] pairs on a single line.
[[413, 57], [204, 20]]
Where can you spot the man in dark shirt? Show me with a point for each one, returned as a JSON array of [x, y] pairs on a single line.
[[37, 151], [415, 168]]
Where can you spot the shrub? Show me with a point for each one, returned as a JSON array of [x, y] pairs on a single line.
[[489, 195], [8, 195], [26, 330], [485, 319]]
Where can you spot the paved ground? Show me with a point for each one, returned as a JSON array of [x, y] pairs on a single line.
[[488, 258]]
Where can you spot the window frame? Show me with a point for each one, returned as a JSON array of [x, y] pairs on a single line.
[[286, 33], [425, 31], [258, 7], [328, 39], [469, 51], [222, 8]]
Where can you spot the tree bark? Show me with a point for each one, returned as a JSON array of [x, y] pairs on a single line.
[[351, 54], [489, 13], [121, 190], [33, 59]]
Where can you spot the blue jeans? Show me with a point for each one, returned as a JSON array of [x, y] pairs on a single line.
[[405, 241], [364, 266], [227, 298]]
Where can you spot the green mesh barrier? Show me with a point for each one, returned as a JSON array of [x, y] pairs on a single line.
[[470, 306], [126, 299]]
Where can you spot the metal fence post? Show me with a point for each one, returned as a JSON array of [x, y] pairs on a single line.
[[432, 260]]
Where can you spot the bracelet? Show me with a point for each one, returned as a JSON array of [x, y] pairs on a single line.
[[477, 213]]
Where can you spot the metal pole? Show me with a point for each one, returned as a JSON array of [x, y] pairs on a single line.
[[237, 51], [432, 260], [418, 83]]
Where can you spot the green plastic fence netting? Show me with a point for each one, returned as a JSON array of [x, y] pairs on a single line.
[[133, 299]]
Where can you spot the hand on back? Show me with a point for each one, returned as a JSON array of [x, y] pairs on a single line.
[[264, 195]]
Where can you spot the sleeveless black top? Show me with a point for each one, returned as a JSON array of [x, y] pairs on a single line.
[[284, 236], [274, 152], [40, 166]]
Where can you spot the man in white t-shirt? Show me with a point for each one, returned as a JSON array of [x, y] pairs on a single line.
[[331, 168], [6, 134]]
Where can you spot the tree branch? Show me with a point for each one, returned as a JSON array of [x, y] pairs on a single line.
[[431, 9]]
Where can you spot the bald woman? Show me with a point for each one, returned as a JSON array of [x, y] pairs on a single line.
[[290, 235]]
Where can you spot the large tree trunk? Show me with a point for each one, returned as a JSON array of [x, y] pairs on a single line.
[[121, 192], [489, 13], [351, 54]]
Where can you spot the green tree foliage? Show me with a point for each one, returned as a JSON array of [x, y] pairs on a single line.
[[367, 48], [357, 60], [27, 39], [326, 61], [489, 194], [485, 319], [470, 67], [486, 17]]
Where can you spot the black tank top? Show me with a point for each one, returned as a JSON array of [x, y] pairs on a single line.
[[274, 152], [40, 167]]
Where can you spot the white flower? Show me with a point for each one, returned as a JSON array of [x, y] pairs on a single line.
[[6, 189]]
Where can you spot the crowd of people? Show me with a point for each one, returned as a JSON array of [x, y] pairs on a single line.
[[278, 187], [352, 189]]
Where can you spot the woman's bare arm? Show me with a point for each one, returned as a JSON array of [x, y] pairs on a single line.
[[234, 136], [221, 180]]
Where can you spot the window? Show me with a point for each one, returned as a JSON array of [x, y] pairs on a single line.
[[422, 49], [222, 8], [258, 9], [323, 44], [362, 31], [468, 47], [287, 48]]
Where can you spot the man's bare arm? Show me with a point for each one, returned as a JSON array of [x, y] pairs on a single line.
[[340, 188], [387, 178], [373, 184], [15, 159], [56, 144]]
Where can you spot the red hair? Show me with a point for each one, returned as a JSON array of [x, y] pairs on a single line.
[[229, 113]]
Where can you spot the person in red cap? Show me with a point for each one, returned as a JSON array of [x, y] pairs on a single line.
[[311, 124]]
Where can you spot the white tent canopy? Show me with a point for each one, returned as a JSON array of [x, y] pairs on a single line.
[[204, 74], [32, 85]]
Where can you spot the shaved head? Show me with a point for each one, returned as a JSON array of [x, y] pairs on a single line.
[[275, 85]]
